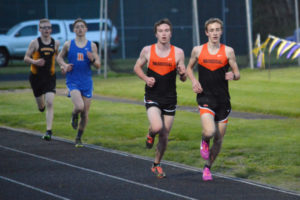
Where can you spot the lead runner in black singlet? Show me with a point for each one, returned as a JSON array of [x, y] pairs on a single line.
[[214, 61]]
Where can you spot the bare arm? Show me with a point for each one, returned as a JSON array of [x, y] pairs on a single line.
[[180, 64], [197, 88], [235, 73], [60, 59], [138, 67], [33, 46], [93, 56]]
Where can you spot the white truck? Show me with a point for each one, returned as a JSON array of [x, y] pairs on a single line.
[[15, 42]]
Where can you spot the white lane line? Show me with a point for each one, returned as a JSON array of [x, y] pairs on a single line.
[[34, 188], [99, 173], [170, 163]]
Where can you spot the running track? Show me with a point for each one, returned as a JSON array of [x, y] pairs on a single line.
[[31, 168]]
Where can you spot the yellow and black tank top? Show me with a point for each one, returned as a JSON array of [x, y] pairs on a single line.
[[163, 69], [48, 53], [211, 73]]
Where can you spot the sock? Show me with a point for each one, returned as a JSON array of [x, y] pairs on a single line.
[[49, 132], [42, 109], [156, 164], [205, 139], [207, 166], [79, 133]]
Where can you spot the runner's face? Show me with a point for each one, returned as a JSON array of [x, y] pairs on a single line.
[[80, 29], [163, 33], [214, 32], [45, 29]]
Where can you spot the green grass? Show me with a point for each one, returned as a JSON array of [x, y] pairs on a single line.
[[266, 151], [261, 150]]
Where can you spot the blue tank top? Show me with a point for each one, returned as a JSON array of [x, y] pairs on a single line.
[[81, 74]]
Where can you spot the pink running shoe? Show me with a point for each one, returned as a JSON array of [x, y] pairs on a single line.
[[204, 151], [206, 176]]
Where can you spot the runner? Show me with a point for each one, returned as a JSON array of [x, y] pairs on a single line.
[[81, 54], [41, 55], [214, 60], [163, 60]]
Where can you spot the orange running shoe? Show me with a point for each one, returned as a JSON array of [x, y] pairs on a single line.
[[149, 141], [158, 171]]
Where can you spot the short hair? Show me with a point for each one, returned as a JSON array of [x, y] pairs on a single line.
[[213, 20], [79, 20], [44, 20], [162, 21]]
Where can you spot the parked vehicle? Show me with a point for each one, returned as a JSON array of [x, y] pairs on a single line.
[[15, 42]]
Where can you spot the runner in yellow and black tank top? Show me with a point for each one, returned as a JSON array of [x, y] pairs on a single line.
[[163, 69], [43, 79]]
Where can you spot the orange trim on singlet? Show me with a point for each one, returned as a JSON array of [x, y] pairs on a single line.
[[224, 121], [160, 65], [36, 55], [213, 62], [206, 110]]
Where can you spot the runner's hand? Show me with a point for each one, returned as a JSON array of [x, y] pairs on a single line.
[[197, 87], [40, 62], [150, 81]]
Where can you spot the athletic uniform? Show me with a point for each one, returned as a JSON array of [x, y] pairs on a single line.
[[215, 98], [163, 94], [80, 77], [43, 79]]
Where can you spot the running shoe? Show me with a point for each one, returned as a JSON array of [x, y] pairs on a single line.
[[74, 121], [206, 176], [78, 143], [47, 136], [149, 141], [204, 150], [158, 171]]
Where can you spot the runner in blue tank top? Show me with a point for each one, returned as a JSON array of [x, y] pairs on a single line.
[[80, 76], [81, 54]]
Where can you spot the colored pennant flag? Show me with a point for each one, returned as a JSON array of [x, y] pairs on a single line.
[[264, 45], [283, 43], [287, 47], [275, 42], [292, 50], [261, 60], [296, 54]]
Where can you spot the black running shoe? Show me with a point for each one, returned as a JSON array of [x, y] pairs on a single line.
[[74, 121], [78, 143], [47, 136]]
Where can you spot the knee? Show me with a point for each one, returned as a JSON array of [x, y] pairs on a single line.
[[156, 129], [49, 104], [79, 108], [209, 132]]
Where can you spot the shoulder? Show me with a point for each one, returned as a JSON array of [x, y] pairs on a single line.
[[57, 43], [146, 49], [178, 50], [197, 50], [229, 51], [93, 44], [34, 44]]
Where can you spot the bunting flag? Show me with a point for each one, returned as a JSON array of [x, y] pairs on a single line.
[[287, 47], [275, 42], [282, 44], [296, 54], [261, 60], [292, 51]]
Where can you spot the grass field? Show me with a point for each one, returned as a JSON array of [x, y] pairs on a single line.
[[265, 151]]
